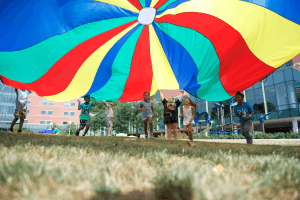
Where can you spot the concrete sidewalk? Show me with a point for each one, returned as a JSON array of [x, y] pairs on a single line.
[[282, 142]]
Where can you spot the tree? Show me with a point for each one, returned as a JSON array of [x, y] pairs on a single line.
[[99, 120], [122, 114], [159, 110], [70, 127]]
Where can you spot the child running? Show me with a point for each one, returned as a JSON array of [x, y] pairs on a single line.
[[146, 107], [84, 116], [188, 112], [110, 115], [245, 112], [171, 113], [21, 109]]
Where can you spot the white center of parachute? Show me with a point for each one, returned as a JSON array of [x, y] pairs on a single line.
[[147, 16]]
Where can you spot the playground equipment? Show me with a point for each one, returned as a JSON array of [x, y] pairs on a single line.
[[220, 117], [234, 129], [207, 118], [262, 120]]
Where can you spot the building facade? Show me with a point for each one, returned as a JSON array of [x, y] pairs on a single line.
[[7, 103], [42, 111]]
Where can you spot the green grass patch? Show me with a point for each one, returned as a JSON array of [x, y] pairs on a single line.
[[36, 166]]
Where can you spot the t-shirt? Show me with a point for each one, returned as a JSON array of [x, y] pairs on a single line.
[[147, 106], [85, 110], [247, 108], [22, 95], [171, 108], [109, 112]]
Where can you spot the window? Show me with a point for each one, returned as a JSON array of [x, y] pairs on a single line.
[[72, 114], [66, 114], [288, 74], [50, 113], [281, 94], [51, 103], [250, 97], [49, 122], [278, 77], [29, 102], [66, 104], [296, 74], [72, 105], [43, 112], [42, 122], [65, 123], [269, 80], [45, 103], [271, 98], [26, 121], [28, 111], [257, 85], [292, 95], [259, 101]]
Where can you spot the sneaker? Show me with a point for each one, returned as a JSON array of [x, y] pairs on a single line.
[[19, 131], [77, 133]]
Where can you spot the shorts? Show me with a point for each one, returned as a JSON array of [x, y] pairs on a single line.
[[186, 121], [20, 114], [109, 121], [170, 119], [84, 122], [146, 115]]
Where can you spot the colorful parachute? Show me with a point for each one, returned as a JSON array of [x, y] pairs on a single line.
[[119, 49]]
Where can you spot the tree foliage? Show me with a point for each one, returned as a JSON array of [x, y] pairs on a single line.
[[99, 120], [125, 114]]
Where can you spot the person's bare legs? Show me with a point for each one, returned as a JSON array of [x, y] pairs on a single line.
[[146, 127], [169, 130], [109, 128], [13, 123], [80, 128], [185, 129], [86, 130], [174, 125], [21, 123], [190, 132], [151, 126]]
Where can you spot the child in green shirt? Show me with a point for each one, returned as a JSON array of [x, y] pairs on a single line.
[[84, 116]]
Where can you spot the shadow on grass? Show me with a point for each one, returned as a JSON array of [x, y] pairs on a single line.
[[165, 189], [138, 147]]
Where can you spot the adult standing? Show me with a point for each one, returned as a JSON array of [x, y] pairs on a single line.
[[171, 113]]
